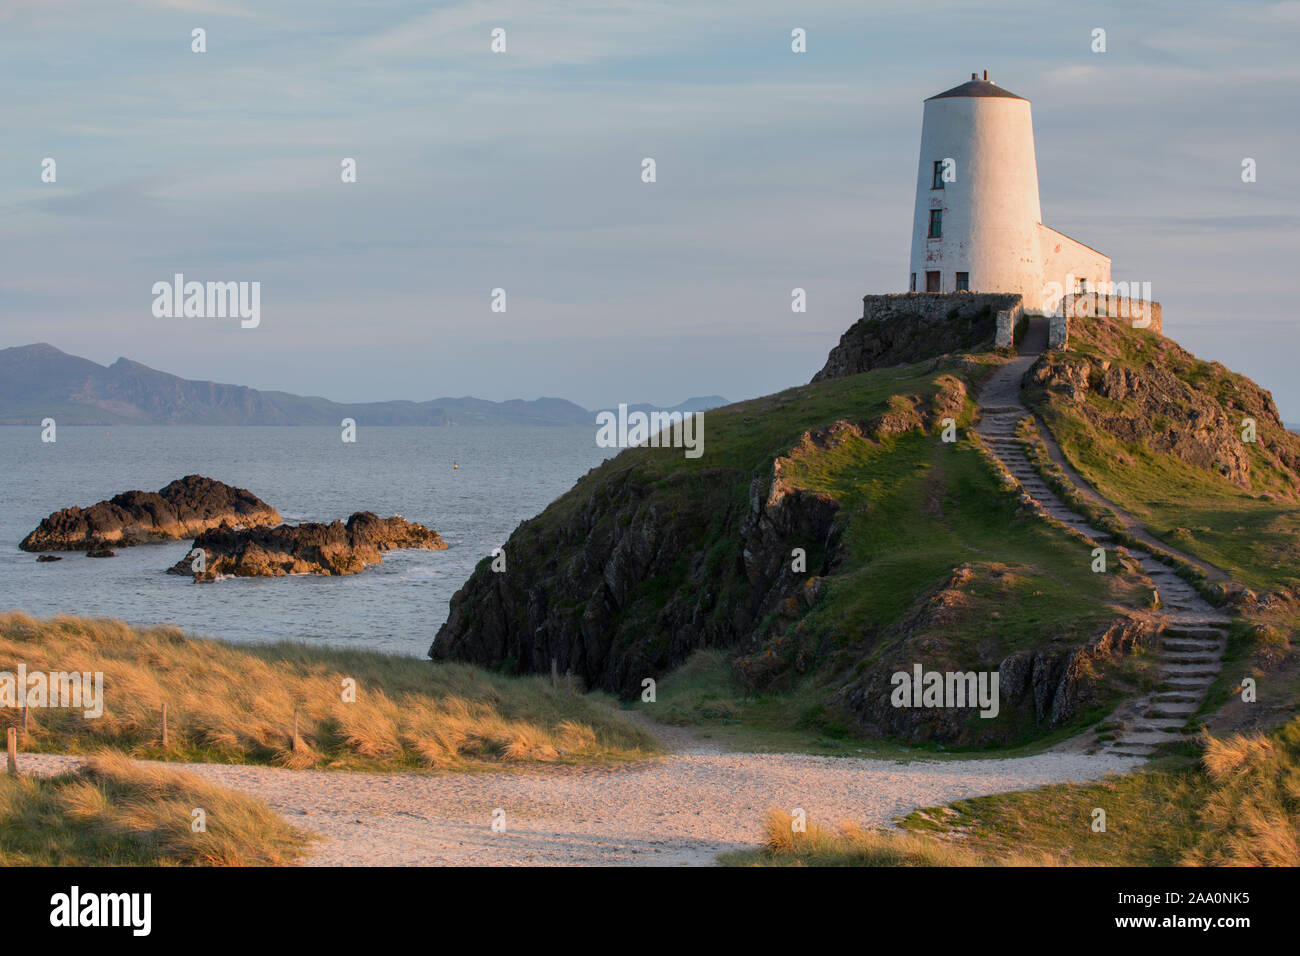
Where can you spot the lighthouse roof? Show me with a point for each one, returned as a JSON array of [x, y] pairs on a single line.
[[976, 87]]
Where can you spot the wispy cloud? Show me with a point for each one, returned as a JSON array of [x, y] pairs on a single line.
[[522, 170]]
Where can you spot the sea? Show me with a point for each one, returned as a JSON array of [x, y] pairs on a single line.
[[471, 484]]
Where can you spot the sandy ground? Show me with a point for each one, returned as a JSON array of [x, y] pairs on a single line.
[[680, 810]]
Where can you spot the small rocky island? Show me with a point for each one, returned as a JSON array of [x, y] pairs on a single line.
[[308, 548], [187, 507]]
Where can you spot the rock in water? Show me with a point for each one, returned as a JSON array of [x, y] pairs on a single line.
[[47, 557], [308, 548], [185, 508]]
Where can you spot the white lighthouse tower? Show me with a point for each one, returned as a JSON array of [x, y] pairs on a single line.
[[977, 225]]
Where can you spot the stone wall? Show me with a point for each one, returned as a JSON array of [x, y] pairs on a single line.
[[909, 327], [1007, 319], [1143, 314], [937, 305], [1058, 332]]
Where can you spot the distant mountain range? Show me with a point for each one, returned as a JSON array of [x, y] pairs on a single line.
[[39, 381]]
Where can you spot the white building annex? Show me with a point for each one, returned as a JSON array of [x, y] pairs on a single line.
[[978, 225]]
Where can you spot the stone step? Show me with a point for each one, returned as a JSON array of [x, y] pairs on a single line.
[[1174, 697], [1188, 670], [1183, 709], [1161, 721], [1151, 738], [1188, 683], [1158, 725], [1198, 618], [1200, 634]]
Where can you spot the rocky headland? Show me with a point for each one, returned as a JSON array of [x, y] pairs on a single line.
[[837, 533]]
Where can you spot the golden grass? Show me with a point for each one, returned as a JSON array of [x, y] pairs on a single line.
[[113, 811], [1239, 807], [849, 844], [235, 703], [1253, 812]]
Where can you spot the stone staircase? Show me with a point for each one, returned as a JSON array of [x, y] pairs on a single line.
[[1193, 637]]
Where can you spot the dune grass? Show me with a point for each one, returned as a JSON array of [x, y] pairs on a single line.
[[1238, 805], [114, 812], [231, 703], [851, 845]]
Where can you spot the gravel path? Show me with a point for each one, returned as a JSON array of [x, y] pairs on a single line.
[[679, 810]]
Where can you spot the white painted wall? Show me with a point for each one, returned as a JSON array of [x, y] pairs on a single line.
[[992, 221], [1067, 261]]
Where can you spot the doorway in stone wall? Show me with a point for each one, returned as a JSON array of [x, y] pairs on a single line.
[[932, 282]]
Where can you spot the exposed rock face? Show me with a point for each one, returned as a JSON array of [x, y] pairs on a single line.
[[581, 600], [1049, 685], [724, 536], [309, 548], [898, 329], [1155, 407], [185, 508]]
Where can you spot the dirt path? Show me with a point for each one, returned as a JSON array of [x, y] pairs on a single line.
[[1193, 637], [681, 810]]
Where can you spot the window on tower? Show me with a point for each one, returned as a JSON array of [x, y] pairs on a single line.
[[963, 281], [913, 286], [938, 174], [936, 223]]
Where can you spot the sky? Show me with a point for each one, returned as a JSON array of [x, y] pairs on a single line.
[[522, 171]]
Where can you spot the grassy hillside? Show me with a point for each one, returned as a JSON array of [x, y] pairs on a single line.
[[1239, 805], [915, 552], [1161, 433], [1239, 507], [234, 704], [114, 812]]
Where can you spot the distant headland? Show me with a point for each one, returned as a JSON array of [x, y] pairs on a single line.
[[40, 381]]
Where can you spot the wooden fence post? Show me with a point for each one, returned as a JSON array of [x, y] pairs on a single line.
[[13, 752], [24, 719], [297, 741], [164, 725]]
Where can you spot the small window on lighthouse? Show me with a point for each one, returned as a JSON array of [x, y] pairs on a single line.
[[963, 281], [938, 174], [913, 288], [936, 223]]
